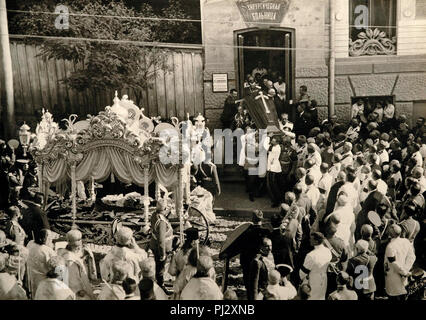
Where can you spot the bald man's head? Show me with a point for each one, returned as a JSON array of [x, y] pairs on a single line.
[[289, 198]]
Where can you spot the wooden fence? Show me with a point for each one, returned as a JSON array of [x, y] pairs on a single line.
[[37, 84]]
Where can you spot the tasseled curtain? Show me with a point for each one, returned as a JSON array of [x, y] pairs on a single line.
[[101, 162]]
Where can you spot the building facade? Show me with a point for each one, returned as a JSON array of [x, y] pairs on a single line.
[[380, 50]]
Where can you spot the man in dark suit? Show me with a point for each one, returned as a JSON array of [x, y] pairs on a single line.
[[253, 239], [363, 258], [282, 240], [280, 103], [258, 272], [339, 253], [301, 125], [312, 111], [229, 109], [34, 219]]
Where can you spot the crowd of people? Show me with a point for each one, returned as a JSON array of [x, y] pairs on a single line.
[[33, 266], [351, 198], [350, 225]]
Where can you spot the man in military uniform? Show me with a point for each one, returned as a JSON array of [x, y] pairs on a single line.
[[161, 241], [288, 160]]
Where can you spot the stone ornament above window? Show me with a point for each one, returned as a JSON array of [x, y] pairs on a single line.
[[372, 43]]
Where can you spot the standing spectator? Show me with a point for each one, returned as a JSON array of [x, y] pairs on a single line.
[[254, 237], [312, 191], [126, 250], [251, 87], [395, 179], [345, 214], [399, 258], [278, 291], [129, 287], [282, 241], [81, 265], [4, 183], [39, 256], [301, 124], [363, 258], [54, 286], [312, 111], [229, 109], [180, 258], [353, 131], [280, 102], [331, 125], [114, 290], [146, 289], [410, 227], [148, 272], [419, 129], [288, 162], [342, 292], [379, 111], [284, 123], [280, 85], [10, 289], [314, 268], [303, 94], [327, 152], [260, 69], [230, 295], [357, 109], [14, 230], [239, 120], [388, 115], [339, 253], [161, 241], [34, 217], [202, 286], [273, 175], [326, 180], [258, 272], [332, 196]]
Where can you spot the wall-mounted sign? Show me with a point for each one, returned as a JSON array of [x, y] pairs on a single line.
[[220, 82], [272, 11]]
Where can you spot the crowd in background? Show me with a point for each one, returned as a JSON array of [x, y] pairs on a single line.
[[351, 201], [350, 195]]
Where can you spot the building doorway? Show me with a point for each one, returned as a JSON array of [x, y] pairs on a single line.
[[272, 47]]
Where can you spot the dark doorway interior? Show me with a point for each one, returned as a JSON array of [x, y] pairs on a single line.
[[273, 60], [273, 48]]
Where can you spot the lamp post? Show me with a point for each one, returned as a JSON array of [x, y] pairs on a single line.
[[74, 158], [24, 137], [146, 196]]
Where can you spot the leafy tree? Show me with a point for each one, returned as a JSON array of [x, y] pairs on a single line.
[[111, 49]]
